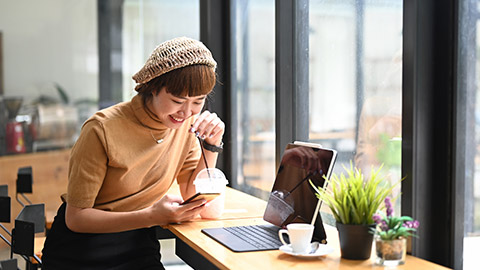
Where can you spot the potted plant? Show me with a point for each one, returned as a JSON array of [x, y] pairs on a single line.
[[391, 235], [353, 200]]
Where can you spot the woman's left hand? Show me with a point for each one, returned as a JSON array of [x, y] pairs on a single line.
[[209, 127]]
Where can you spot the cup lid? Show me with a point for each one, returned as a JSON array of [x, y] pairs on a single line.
[[211, 174]]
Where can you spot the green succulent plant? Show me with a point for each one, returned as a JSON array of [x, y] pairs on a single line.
[[390, 227], [353, 199]]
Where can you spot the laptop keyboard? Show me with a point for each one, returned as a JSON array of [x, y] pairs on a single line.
[[262, 237]]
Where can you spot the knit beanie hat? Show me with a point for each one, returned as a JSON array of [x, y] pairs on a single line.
[[172, 54]]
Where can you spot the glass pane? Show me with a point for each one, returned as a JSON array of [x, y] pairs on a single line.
[[147, 23], [469, 45], [355, 82], [50, 63], [256, 95]]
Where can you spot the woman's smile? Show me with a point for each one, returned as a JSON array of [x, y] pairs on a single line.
[[176, 120], [172, 110]]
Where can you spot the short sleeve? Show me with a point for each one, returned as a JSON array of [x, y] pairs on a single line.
[[88, 165]]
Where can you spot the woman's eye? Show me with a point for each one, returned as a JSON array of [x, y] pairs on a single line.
[[178, 102], [198, 103]]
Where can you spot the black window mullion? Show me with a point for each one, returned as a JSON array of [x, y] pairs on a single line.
[[291, 73], [428, 126], [217, 32], [109, 52]]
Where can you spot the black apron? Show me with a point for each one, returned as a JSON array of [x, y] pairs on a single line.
[[65, 249]]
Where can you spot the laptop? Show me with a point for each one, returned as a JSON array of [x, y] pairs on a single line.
[[292, 200]]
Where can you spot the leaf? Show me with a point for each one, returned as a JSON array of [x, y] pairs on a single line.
[[353, 199], [62, 93], [346, 209]]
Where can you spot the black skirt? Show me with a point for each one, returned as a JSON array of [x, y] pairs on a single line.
[[65, 249]]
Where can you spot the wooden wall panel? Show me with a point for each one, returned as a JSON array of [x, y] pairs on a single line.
[[50, 173]]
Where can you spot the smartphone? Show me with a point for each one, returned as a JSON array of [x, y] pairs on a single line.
[[206, 196]]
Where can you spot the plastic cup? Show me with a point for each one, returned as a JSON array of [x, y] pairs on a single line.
[[212, 180]]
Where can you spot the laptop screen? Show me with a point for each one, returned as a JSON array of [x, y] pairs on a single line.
[[292, 199]]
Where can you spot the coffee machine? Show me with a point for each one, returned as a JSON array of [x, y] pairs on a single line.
[[14, 133]]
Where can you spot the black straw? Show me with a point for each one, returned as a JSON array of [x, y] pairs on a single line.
[[204, 159]]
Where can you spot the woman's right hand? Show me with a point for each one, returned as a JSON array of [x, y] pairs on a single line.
[[170, 210], [167, 210]]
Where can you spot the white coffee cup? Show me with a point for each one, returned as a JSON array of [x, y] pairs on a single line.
[[300, 235], [212, 180]]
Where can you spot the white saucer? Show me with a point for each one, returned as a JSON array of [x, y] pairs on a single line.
[[321, 251]]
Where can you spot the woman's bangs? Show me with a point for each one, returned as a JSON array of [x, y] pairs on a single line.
[[195, 80]]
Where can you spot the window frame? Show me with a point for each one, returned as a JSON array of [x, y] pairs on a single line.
[[291, 74], [433, 151], [432, 154]]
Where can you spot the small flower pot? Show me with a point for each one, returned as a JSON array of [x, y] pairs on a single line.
[[390, 252], [355, 241]]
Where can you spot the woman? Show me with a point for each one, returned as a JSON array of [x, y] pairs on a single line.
[[127, 157]]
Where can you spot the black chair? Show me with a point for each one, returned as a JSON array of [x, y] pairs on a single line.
[[24, 183], [29, 221]]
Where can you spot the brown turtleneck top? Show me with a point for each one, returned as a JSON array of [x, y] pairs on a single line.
[[116, 164]]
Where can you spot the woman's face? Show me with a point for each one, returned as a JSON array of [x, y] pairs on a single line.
[[172, 110]]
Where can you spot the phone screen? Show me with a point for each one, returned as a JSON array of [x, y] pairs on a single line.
[[206, 196]]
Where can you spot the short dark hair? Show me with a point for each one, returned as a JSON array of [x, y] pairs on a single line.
[[193, 80]]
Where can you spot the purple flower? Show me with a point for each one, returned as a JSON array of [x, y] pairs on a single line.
[[416, 223], [377, 218], [412, 224], [390, 227], [387, 201], [389, 207], [383, 225]]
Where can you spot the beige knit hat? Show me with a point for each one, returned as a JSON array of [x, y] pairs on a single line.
[[172, 54]]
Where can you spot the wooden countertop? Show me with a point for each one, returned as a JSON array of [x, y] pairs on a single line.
[[224, 258]]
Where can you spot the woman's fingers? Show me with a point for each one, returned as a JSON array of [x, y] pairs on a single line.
[[209, 127], [170, 210]]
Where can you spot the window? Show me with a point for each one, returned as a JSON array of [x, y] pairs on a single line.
[[355, 83], [354, 86], [147, 23], [469, 43], [256, 95], [50, 63]]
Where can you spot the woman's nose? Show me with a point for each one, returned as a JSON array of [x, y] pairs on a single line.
[[185, 111]]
